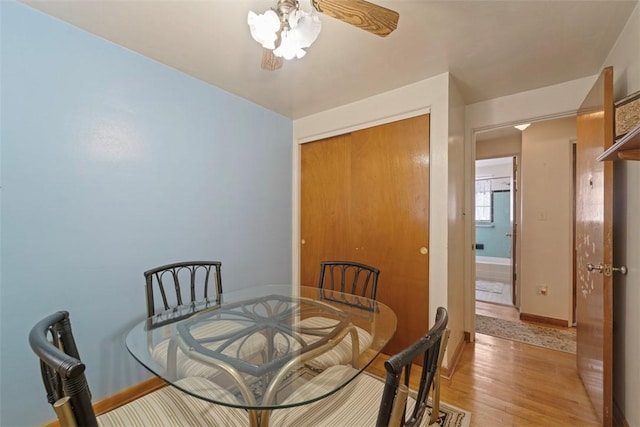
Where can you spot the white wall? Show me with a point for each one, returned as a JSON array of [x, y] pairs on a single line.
[[498, 147], [455, 222], [112, 164], [431, 95], [625, 59], [546, 217], [501, 170]]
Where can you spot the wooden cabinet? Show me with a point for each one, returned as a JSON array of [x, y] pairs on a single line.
[[365, 198]]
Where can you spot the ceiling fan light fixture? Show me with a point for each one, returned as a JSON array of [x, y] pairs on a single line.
[[305, 27], [264, 27], [289, 47], [297, 29], [522, 126], [302, 32]]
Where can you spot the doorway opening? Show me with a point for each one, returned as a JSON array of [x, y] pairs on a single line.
[[495, 230], [537, 179]]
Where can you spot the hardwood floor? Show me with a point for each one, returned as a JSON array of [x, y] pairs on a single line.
[[506, 312], [507, 383]]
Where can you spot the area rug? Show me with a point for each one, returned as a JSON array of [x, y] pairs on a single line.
[[449, 416], [555, 339]]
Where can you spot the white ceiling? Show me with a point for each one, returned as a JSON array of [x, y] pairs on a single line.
[[492, 48]]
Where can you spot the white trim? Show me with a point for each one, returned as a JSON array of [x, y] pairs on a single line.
[[365, 125]]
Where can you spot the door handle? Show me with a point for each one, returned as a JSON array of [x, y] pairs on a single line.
[[591, 267], [607, 269]]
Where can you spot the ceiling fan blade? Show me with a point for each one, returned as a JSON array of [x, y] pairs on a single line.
[[368, 16], [270, 62]]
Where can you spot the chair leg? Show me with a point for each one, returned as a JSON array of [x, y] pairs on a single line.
[[63, 410], [399, 404], [435, 396]]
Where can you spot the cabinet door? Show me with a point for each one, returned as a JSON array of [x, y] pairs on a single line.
[[365, 198]]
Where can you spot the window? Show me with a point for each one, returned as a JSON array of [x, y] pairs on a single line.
[[484, 205]]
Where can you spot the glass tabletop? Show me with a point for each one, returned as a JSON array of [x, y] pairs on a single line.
[[255, 347]]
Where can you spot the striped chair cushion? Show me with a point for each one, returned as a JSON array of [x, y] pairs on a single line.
[[188, 367], [357, 404], [341, 353], [170, 407]]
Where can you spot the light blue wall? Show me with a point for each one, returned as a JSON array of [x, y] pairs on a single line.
[[494, 237], [111, 164]]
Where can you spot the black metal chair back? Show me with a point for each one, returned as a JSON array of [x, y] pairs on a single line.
[[62, 371], [349, 277], [398, 368], [183, 283]]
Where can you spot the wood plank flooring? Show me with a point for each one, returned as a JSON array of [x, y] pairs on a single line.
[[506, 312], [507, 383]]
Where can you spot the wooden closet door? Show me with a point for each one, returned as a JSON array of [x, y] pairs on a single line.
[[325, 192], [364, 197], [390, 218]]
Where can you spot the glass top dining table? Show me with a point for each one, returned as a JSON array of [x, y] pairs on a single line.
[[257, 346]]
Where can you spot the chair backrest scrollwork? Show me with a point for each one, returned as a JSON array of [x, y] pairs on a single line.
[[341, 279], [191, 283]]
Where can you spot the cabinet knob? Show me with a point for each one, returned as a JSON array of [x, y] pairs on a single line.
[[424, 250]]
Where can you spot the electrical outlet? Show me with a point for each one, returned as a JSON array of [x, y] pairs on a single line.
[[542, 290]]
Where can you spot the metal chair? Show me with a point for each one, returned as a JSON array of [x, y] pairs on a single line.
[[189, 287], [196, 284], [349, 277], [368, 400], [67, 389], [340, 281], [392, 407]]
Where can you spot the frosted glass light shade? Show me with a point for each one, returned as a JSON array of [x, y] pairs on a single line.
[[299, 31], [303, 30], [306, 27], [289, 46], [264, 28]]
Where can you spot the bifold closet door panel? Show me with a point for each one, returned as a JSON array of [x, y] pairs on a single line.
[[365, 198], [390, 218]]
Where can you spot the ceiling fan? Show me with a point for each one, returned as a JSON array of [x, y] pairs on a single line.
[[286, 30]]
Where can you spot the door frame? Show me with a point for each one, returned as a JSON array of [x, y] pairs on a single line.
[[469, 262]]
